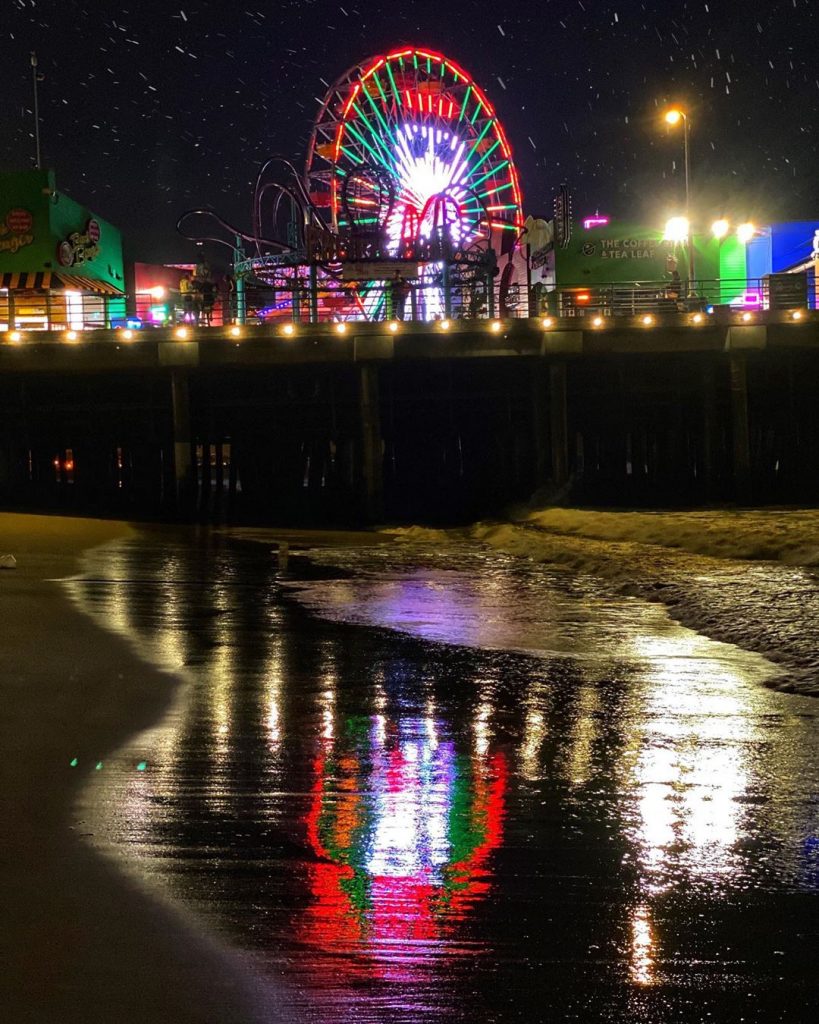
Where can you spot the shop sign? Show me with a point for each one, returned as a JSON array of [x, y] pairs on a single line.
[[788, 291], [16, 230], [622, 248], [80, 246], [379, 271]]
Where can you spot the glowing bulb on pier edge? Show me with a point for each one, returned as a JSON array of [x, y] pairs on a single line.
[[745, 232], [747, 317], [648, 320], [547, 323], [341, 328], [697, 318], [181, 333], [495, 326], [15, 336], [70, 335], [720, 228], [796, 314], [288, 329], [393, 326], [445, 325], [597, 321], [236, 331], [127, 334]]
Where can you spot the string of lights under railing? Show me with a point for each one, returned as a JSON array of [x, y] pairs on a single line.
[[341, 328]]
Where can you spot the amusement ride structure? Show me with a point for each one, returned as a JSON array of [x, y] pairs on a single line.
[[409, 204]]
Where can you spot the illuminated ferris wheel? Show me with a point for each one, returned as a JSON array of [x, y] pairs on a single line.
[[408, 149]]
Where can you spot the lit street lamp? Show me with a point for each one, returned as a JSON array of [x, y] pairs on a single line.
[[673, 118], [677, 229], [720, 228]]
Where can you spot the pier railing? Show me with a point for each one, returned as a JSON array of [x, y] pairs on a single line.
[[302, 301]]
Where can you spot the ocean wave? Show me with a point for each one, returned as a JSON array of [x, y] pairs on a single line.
[[711, 575]]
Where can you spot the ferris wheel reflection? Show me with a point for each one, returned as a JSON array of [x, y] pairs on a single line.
[[402, 826]]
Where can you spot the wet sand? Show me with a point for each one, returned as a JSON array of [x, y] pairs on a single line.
[[79, 940], [525, 799]]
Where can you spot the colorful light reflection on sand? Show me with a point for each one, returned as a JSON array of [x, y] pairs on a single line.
[[403, 826]]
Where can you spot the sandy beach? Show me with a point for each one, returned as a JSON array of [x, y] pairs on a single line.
[[81, 942]]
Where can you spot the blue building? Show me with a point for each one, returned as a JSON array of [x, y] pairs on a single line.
[[785, 248]]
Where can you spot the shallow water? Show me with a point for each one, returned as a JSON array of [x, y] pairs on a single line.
[[536, 803]]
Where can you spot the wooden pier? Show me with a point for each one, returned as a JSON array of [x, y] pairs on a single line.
[[434, 421]]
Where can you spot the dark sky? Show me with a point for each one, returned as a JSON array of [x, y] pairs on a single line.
[[152, 106]]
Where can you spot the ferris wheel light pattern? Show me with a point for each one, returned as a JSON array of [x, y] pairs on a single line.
[[430, 164], [407, 145]]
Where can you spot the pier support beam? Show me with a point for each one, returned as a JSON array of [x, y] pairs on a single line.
[[314, 302], [182, 450], [540, 429], [372, 454], [741, 438], [558, 423], [710, 433]]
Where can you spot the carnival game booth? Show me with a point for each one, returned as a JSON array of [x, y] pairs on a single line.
[[60, 264], [176, 293]]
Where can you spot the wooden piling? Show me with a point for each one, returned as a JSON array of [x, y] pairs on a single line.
[[182, 450], [741, 439], [558, 422], [372, 454]]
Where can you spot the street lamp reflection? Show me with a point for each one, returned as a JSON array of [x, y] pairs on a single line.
[[641, 967]]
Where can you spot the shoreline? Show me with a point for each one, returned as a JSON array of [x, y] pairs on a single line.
[[82, 939]]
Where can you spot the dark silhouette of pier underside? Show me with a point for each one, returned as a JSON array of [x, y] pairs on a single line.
[[418, 422]]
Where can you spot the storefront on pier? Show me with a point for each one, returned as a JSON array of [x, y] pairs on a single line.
[[627, 267], [61, 264]]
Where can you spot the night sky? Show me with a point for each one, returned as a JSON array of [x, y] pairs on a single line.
[[149, 107]]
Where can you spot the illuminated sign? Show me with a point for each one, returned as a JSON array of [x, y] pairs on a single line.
[[595, 222], [16, 230], [563, 217], [80, 246], [625, 248]]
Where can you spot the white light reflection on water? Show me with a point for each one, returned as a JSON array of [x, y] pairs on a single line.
[[641, 966], [688, 762], [533, 736], [585, 733], [482, 720]]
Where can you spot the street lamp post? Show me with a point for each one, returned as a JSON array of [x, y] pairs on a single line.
[[673, 117], [36, 79]]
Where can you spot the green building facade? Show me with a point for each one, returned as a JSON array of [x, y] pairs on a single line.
[[60, 263], [621, 254]]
